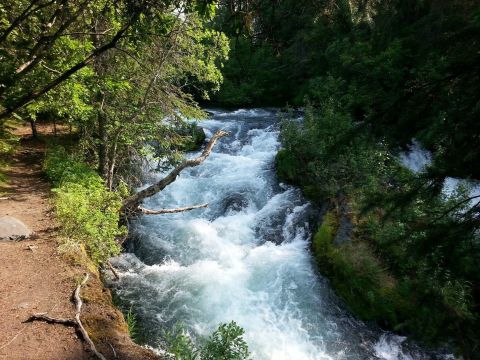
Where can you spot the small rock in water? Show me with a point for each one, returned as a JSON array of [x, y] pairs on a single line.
[[13, 229]]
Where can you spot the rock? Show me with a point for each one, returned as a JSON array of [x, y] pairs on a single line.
[[234, 202], [344, 232], [199, 136], [13, 229], [345, 225]]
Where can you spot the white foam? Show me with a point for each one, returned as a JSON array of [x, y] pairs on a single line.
[[388, 347], [418, 158]]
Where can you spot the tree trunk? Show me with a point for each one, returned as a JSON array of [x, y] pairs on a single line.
[[100, 68], [102, 145], [33, 125]]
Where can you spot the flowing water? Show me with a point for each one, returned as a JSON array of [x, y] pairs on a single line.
[[245, 258]]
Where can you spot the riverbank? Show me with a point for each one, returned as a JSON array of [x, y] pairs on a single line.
[[35, 278], [395, 247]]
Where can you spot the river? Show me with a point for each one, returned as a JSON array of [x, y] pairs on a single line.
[[245, 258]]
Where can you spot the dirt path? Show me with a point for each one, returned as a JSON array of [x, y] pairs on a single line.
[[35, 278]]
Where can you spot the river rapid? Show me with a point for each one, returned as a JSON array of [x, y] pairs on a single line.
[[244, 258]]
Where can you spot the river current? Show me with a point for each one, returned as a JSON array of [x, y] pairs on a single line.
[[244, 258]]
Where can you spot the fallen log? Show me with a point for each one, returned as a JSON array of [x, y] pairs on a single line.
[[131, 204]]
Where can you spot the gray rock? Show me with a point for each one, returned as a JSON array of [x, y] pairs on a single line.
[[345, 226], [344, 232], [13, 229]]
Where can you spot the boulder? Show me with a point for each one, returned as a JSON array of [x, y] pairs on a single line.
[[13, 229]]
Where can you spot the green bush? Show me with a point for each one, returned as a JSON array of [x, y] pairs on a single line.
[[87, 211], [411, 263], [226, 343], [7, 147]]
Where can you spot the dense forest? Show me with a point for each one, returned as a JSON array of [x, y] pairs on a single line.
[[371, 77]]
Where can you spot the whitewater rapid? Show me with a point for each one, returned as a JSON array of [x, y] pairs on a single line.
[[245, 258]]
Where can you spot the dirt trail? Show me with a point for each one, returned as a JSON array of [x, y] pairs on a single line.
[[34, 278]]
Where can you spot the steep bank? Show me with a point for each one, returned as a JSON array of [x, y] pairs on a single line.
[[35, 278]]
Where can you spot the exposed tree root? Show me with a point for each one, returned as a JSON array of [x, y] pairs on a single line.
[[75, 322]]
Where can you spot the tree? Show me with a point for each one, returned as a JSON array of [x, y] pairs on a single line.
[[44, 43]]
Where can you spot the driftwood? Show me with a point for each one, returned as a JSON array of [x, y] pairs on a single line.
[[75, 322], [131, 205]]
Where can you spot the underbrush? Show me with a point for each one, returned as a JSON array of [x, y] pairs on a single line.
[[8, 143], [88, 212], [433, 306]]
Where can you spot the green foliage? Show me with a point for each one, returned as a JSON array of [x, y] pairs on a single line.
[[193, 137], [226, 343], [326, 154], [181, 345], [128, 102], [88, 212], [8, 143], [131, 320], [410, 264], [359, 277]]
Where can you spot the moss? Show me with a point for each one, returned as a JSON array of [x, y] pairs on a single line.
[[358, 276]]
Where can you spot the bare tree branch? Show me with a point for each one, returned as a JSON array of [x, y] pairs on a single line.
[[51, 320], [170, 211], [131, 204], [456, 206]]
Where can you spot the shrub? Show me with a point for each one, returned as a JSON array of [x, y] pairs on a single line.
[[7, 147], [226, 343], [87, 211]]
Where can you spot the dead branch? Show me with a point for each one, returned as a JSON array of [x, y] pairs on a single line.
[[170, 211], [132, 203], [76, 322], [113, 270]]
